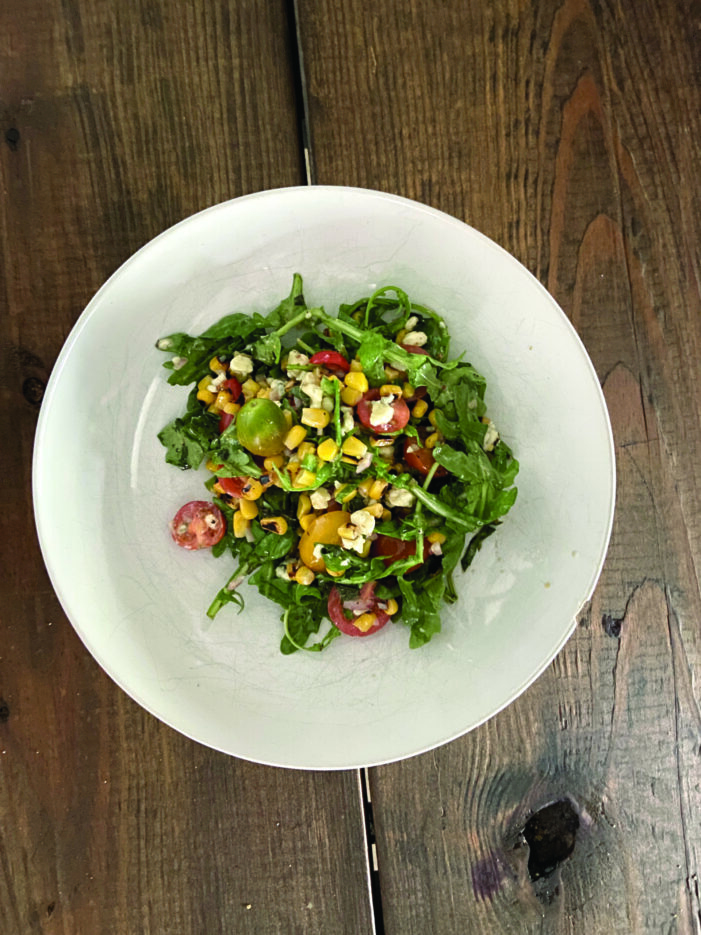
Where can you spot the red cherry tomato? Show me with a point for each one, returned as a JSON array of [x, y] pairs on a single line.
[[198, 525], [421, 459], [233, 485], [346, 624], [331, 359], [234, 387], [225, 420], [392, 550], [399, 418], [415, 349]]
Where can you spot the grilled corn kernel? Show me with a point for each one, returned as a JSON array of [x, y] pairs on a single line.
[[223, 397], [241, 524], [292, 467], [377, 489], [355, 365], [432, 417], [214, 408], [204, 383], [392, 607], [288, 417], [304, 505], [306, 448], [391, 374], [347, 460], [364, 486], [327, 450], [336, 574], [420, 409], [344, 493], [315, 418], [364, 622], [350, 396], [295, 436], [353, 447], [408, 391], [357, 380], [304, 478], [348, 531], [374, 509], [304, 575], [212, 466], [390, 389], [216, 365], [248, 509], [206, 397], [263, 393], [386, 515], [276, 524], [231, 408], [438, 537], [252, 490], [432, 440], [401, 335], [249, 388], [271, 463], [306, 521]]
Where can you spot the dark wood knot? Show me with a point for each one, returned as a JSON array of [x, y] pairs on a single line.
[[550, 835]]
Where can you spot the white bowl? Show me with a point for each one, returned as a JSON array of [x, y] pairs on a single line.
[[103, 494]]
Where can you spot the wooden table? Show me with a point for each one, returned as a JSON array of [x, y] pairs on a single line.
[[569, 132]]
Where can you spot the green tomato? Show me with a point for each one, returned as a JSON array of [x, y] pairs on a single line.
[[261, 427]]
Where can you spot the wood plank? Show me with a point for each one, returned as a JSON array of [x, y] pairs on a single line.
[[116, 121], [569, 133]]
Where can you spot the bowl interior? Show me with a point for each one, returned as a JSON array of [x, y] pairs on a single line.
[[104, 495]]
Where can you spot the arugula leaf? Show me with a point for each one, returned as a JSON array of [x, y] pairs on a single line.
[[371, 356], [187, 439]]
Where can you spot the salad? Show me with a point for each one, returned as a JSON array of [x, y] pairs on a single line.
[[352, 466]]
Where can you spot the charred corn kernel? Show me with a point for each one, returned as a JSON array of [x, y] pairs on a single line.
[[353, 447], [231, 408], [315, 418], [295, 436], [252, 490], [212, 466], [306, 448], [350, 396], [250, 388], [374, 509], [271, 463], [288, 417], [401, 335], [223, 397], [364, 486], [213, 408], [204, 383], [276, 524], [357, 380], [355, 365], [304, 505], [377, 489], [248, 509], [391, 373], [241, 524], [432, 417], [432, 440], [420, 409], [348, 531], [386, 515], [392, 607], [327, 450], [216, 365], [408, 390], [306, 520], [390, 389], [263, 393], [304, 478], [304, 575], [347, 460], [293, 467], [364, 622], [206, 397], [438, 537]]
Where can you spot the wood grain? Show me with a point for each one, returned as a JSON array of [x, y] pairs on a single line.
[[568, 132], [116, 121]]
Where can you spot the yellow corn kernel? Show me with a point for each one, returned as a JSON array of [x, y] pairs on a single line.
[[374, 509], [304, 575], [392, 607], [304, 478], [252, 490], [295, 436], [348, 531], [353, 447], [336, 574], [306, 520], [390, 389], [231, 408], [391, 374], [214, 408], [357, 380], [364, 486], [432, 417], [386, 515], [276, 524], [275, 461], [304, 505], [408, 391], [347, 460], [420, 409], [241, 524], [355, 365], [400, 336], [250, 388], [432, 440], [438, 537], [206, 397], [327, 450], [315, 418], [350, 396], [204, 383], [263, 393], [364, 622], [223, 397], [288, 417], [306, 448], [216, 365], [377, 489], [249, 509], [212, 466], [292, 467]]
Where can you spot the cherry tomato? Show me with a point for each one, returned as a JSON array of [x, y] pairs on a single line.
[[261, 427], [399, 418], [198, 525], [392, 550], [421, 459], [331, 359], [225, 420], [234, 387], [414, 349], [323, 530], [347, 624], [233, 485]]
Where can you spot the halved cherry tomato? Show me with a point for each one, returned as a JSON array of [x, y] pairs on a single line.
[[421, 459], [198, 525], [392, 550], [225, 420], [415, 349], [234, 387], [399, 418], [331, 359], [323, 530], [347, 624], [233, 485]]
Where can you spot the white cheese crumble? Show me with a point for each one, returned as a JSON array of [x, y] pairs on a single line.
[[491, 437], [164, 344], [282, 572], [311, 385], [241, 365], [397, 496], [347, 422], [364, 521], [416, 338], [317, 551], [320, 498], [178, 362], [381, 411], [298, 359], [354, 545], [411, 323]]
